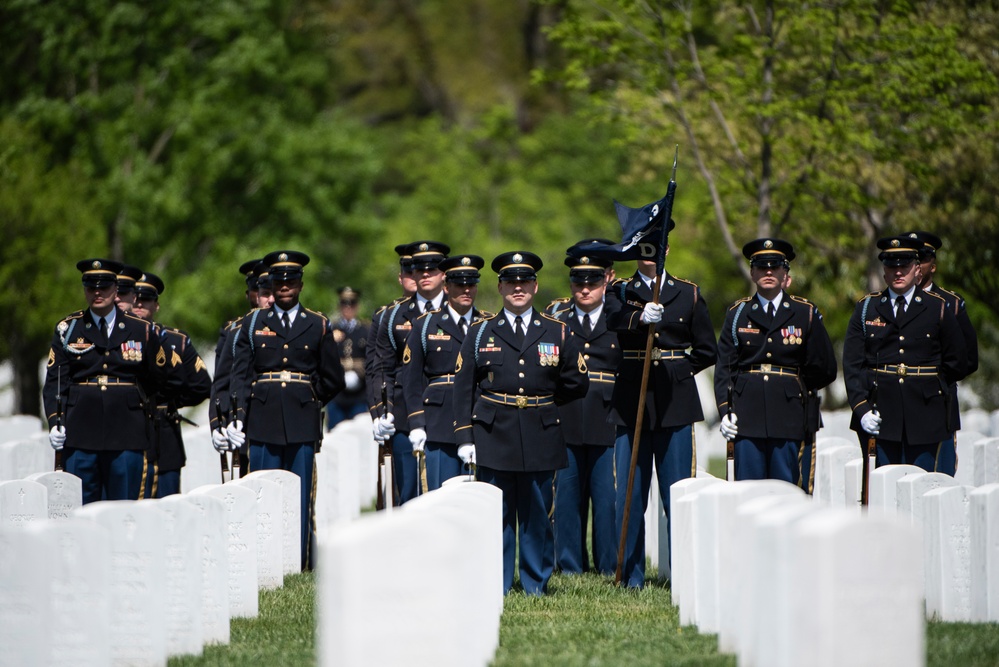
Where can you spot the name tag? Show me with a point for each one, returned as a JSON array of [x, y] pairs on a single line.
[[748, 330], [438, 337]]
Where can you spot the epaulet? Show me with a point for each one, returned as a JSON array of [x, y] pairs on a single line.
[[868, 296], [147, 323], [554, 305], [742, 300], [552, 318], [951, 292], [424, 314], [484, 315], [484, 318], [935, 296], [398, 299], [800, 299], [316, 313], [381, 309], [684, 280], [73, 316]]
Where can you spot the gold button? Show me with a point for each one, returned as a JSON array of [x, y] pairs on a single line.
[[520, 390], [286, 346], [655, 363], [105, 366], [770, 340], [901, 337], [107, 354], [766, 378], [285, 360], [263, 345], [103, 388], [901, 380], [657, 334], [521, 362], [769, 355], [438, 349], [306, 347], [901, 351], [681, 319], [283, 384], [426, 400], [586, 346], [521, 375], [586, 356]]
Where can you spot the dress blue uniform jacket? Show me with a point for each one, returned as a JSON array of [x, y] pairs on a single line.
[[102, 390], [926, 336], [428, 373], [672, 399], [798, 349], [585, 421], [549, 365], [353, 342], [183, 362], [394, 327], [221, 396], [276, 409], [956, 304]]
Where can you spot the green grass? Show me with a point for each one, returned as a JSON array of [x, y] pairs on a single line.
[[584, 621]]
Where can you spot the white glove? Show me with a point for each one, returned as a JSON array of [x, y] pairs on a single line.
[[351, 380], [419, 438], [871, 422], [383, 428], [234, 431], [728, 427], [466, 453], [652, 313], [57, 437], [220, 441]]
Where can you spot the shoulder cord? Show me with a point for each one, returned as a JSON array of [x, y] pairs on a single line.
[[735, 324], [863, 315], [391, 324], [478, 339], [423, 335]]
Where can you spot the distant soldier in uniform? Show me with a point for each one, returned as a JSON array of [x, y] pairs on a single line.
[[102, 376], [773, 356], [512, 372], [126, 287], [166, 455], [684, 346], [394, 329], [352, 336], [908, 341], [947, 461], [588, 433], [428, 368], [285, 368]]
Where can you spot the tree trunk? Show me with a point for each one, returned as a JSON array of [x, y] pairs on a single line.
[[27, 387]]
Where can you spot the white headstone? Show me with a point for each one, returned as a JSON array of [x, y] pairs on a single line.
[[65, 492], [976, 419], [203, 466], [213, 564], [138, 587], [986, 457], [994, 423], [17, 427], [241, 534], [830, 473], [683, 560], [270, 551], [25, 606], [367, 458], [851, 572], [984, 532], [910, 491], [884, 489], [337, 469], [853, 483], [966, 440], [22, 501], [183, 527], [836, 424], [291, 515], [25, 456], [947, 552]]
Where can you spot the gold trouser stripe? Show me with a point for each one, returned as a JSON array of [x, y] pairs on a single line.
[[156, 479], [693, 452], [312, 510], [142, 482]]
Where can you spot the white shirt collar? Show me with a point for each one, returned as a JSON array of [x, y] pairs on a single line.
[[776, 301], [421, 301], [526, 316], [454, 313], [908, 296], [594, 314], [292, 313], [110, 317]]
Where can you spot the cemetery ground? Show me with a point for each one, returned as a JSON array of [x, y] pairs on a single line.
[[584, 620]]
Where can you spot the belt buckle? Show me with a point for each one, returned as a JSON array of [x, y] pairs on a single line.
[[102, 380], [522, 402], [657, 354], [766, 368], [902, 370], [285, 376]]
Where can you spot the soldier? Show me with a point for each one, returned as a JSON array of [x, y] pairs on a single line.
[[394, 329], [947, 461], [684, 346], [589, 435], [512, 371], [166, 455], [428, 368], [773, 356], [352, 336], [102, 377], [909, 343], [126, 287], [286, 366]]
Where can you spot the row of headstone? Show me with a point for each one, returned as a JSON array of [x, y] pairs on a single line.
[[786, 580], [343, 466], [418, 586], [113, 582]]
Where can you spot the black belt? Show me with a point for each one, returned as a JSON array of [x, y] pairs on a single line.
[[902, 369], [442, 379], [284, 376], [600, 376], [519, 401], [773, 369], [658, 354], [106, 381]]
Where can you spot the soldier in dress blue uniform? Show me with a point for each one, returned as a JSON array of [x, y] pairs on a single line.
[[773, 356], [513, 370], [351, 334], [588, 432], [394, 329], [947, 461], [909, 342], [166, 454], [286, 367], [684, 345], [125, 297], [102, 375], [428, 368]]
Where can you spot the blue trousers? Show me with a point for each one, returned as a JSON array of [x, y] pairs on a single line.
[[923, 456], [160, 483], [766, 458], [405, 472], [527, 504], [947, 457], [106, 475], [588, 478], [336, 413], [300, 459], [442, 463], [673, 451]]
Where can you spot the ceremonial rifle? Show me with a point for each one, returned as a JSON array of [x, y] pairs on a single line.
[[384, 460], [232, 419], [870, 460], [223, 459], [660, 265], [730, 444], [58, 453]]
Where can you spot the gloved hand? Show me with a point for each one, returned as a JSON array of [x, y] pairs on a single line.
[[351, 380], [652, 313], [729, 428], [57, 437], [466, 453], [383, 428], [234, 431], [220, 440], [871, 422], [418, 437]]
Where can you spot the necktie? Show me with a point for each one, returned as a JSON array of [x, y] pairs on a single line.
[[899, 306], [771, 311], [285, 323], [587, 325], [104, 330], [428, 306], [464, 324], [518, 328]]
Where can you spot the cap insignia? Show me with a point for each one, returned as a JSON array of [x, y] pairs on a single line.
[[913, 236], [895, 243], [143, 278], [96, 265], [283, 257], [768, 244], [424, 247], [518, 258], [584, 260], [465, 261]]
